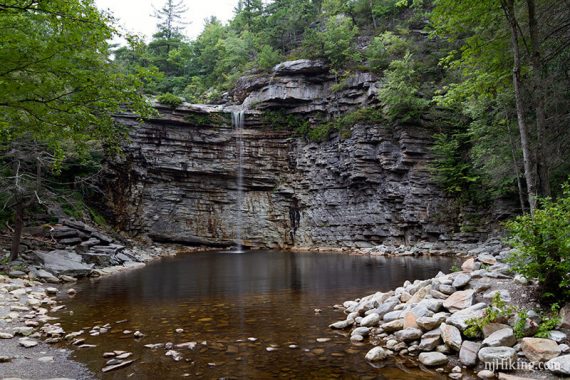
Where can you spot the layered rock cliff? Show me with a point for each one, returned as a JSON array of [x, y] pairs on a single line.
[[177, 181]]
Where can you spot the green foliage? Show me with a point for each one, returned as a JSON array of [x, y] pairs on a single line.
[[335, 43], [455, 268], [169, 99], [520, 323], [267, 58], [542, 246], [57, 84], [280, 120], [399, 93], [498, 309], [453, 170], [342, 124], [548, 322], [208, 119]]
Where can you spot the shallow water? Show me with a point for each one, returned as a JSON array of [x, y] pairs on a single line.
[[222, 299]]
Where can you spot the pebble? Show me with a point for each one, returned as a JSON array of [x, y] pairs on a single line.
[[51, 290], [27, 342], [138, 334], [117, 366], [71, 292], [179, 331], [46, 359], [323, 340]]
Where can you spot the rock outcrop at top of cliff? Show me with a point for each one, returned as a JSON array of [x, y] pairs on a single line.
[[177, 180], [305, 86]]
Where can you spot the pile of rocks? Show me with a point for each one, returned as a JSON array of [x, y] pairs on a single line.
[[80, 250], [427, 320], [24, 305], [492, 246]]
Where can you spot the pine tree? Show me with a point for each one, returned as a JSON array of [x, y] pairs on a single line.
[[170, 19]]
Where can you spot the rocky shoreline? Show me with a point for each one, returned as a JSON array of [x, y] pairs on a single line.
[[480, 320], [32, 287]]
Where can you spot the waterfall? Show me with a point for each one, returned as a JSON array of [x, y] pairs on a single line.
[[238, 119]]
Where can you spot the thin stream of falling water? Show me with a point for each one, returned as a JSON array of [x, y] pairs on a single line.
[[238, 119]]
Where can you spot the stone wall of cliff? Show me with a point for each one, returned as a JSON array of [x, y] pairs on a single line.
[[177, 180]]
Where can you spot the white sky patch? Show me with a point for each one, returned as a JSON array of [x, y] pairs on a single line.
[[135, 16]]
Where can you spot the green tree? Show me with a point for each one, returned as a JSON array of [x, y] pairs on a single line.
[[399, 94], [58, 90], [502, 47], [171, 19]]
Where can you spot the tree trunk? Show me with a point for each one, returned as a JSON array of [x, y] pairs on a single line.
[[516, 169], [371, 6], [528, 158], [19, 225], [538, 75]]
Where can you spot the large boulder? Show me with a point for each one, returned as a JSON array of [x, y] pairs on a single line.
[[539, 350], [468, 353], [503, 337], [430, 323], [497, 357], [432, 359], [377, 353], [301, 66], [565, 316], [460, 318], [459, 300], [461, 280], [451, 336], [559, 365], [429, 343], [490, 328], [62, 262], [408, 335], [370, 320]]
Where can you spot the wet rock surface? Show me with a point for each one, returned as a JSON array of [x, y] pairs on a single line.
[[371, 191], [456, 327]]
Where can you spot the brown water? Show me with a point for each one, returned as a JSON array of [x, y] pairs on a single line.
[[222, 299]]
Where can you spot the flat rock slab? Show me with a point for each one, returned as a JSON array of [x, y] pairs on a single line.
[[468, 353], [459, 300], [65, 262], [498, 357], [451, 336], [504, 337], [432, 359], [559, 365], [117, 366], [539, 350]]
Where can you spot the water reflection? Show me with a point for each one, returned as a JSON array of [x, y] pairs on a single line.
[[223, 298]]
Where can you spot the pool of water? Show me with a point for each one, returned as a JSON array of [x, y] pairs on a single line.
[[222, 299]]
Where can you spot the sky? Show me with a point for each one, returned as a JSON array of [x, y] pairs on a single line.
[[136, 15]]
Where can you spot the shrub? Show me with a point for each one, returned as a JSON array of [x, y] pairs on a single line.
[[268, 57], [542, 246], [400, 91], [169, 100], [341, 124]]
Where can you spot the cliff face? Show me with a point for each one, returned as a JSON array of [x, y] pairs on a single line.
[[177, 181]]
